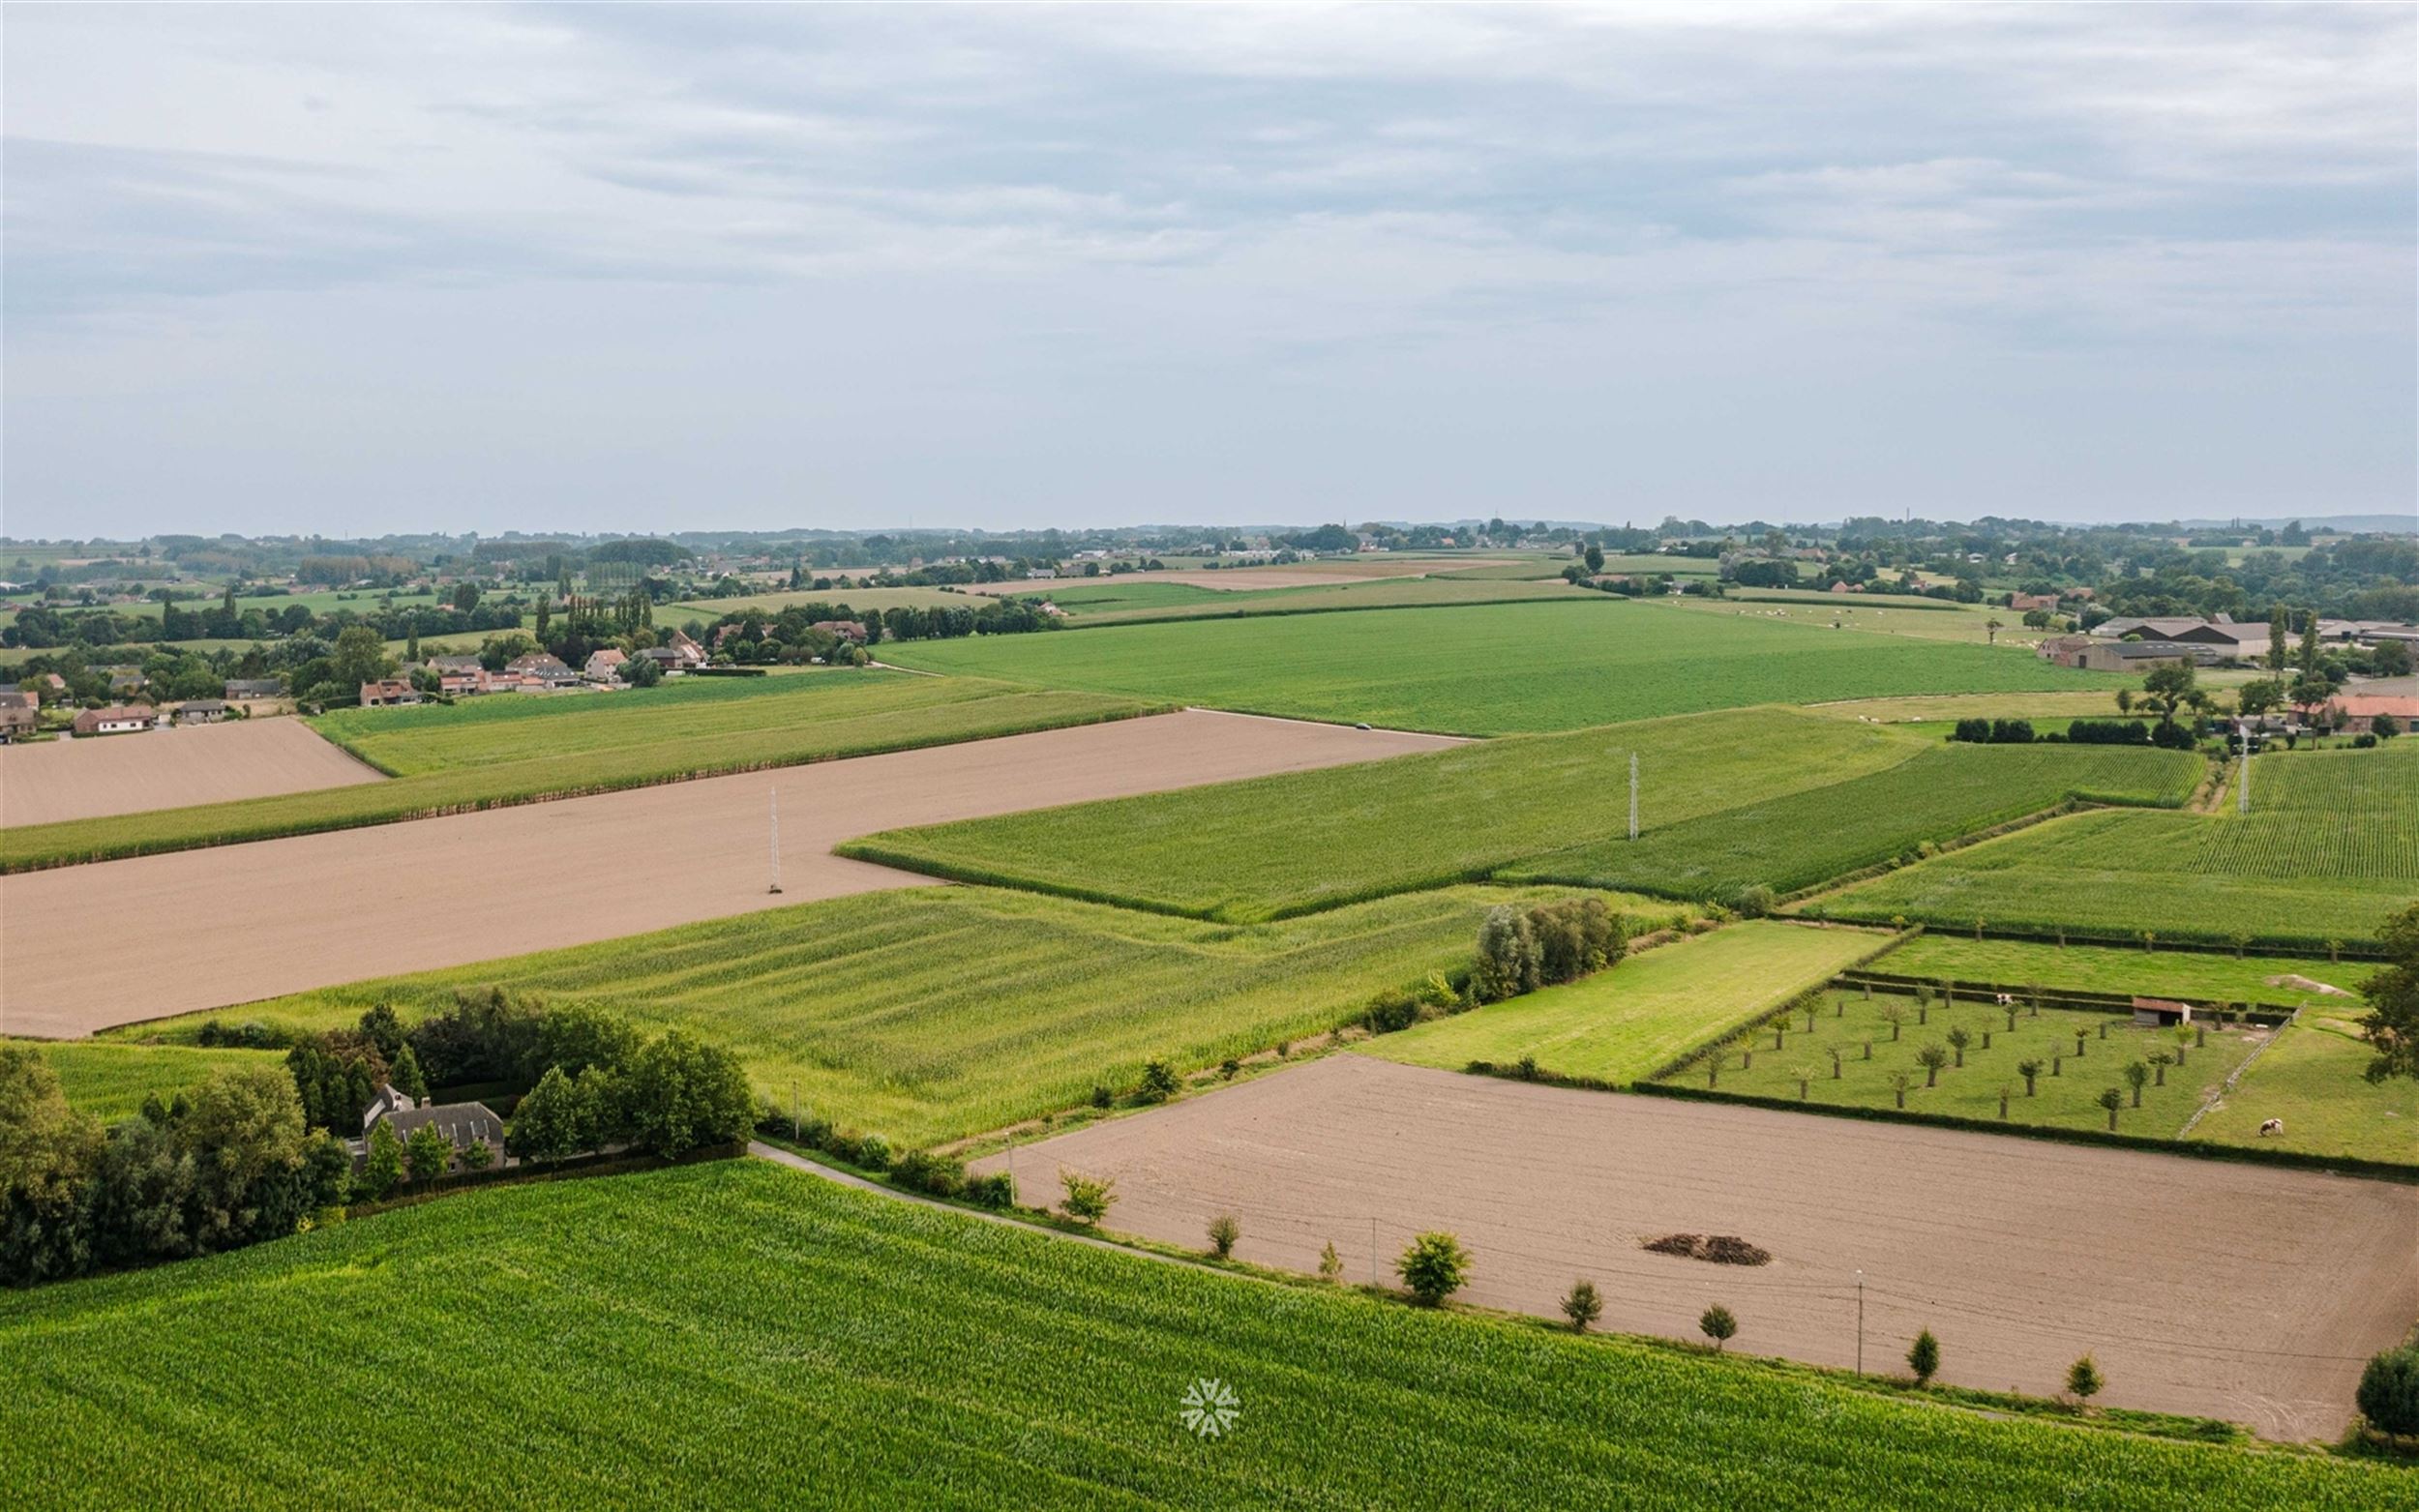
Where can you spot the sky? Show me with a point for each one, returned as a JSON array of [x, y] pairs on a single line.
[[369, 269]]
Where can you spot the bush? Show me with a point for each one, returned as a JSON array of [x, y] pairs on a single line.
[[1718, 1323], [1224, 1231], [1973, 731], [1434, 1267], [922, 1170], [2389, 1392], [1391, 1012], [872, 1152], [1085, 1200], [1923, 1358], [2010, 732], [997, 1190], [1159, 1081], [2083, 1379], [2109, 733], [1753, 902], [1582, 1306]]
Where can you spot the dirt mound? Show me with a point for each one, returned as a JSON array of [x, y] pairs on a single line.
[[1718, 1248], [2306, 984]]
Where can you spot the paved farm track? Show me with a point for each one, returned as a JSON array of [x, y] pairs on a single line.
[[56, 779], [2233, 1291], [82, 948]]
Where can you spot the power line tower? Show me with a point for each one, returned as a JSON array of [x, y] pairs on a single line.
[[1633, 796], [773, 840]]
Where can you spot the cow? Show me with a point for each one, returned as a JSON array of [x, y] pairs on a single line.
[[2004, 1001], [2271, 1126]]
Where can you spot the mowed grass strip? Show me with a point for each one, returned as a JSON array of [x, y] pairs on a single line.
[[1801, 1067], [1646, 1012], [1796, 840], [934, 1014], [2329, 850], [1274, 846], [738, 1334], [568, 744], [111, 1081], [2312, 1077], [1494, 669], [2186, 975]]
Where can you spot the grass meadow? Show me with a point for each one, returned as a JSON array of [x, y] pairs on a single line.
[[2311, 1078], [934, 1014], [734, 1333], [1496, 670], [1278, 845], [2330, 849], [1802, 1066], [1647, 1010], [1800, 839], [515, 748], [2186, 975]]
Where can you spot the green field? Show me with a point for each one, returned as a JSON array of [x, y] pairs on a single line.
[[934, 1014], [736, 1334], [1652, 563], [2330, 849], [111, 1081], [1796, 840], [2311, 1078], [1646, 1012], [2186, 976], [1374, 593], [858, 599], [1276, 845], [1494, 669], [1918, 618], [512, 749], [2060, 1101]]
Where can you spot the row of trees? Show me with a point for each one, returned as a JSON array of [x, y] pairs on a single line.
[[1520, 952]]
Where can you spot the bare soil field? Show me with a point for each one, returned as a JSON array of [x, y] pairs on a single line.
[[102, 775], [237, 923], [2230, 1290]]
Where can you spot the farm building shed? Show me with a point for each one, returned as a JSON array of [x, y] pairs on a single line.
[[2161, 1011]]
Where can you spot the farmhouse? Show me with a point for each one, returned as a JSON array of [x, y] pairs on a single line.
[[200, 711], [463, 1124], [116, 719], [444, 665], [388, 692], [542, 669], [2356, 713], [679, 654], [240, 688], [604, 665], [2026, 603], [850, 630], [18, 716]]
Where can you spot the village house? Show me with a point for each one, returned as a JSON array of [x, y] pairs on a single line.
[[116, 719], [2026, 603], [677, 654], [124, 681], [387, 692], [604, 665], [541, 669], [2356, 713], [850, 630], [200, 711], [463, 1124], [242, 688], [19, 716]]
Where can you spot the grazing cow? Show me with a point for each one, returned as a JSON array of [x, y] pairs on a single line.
[[2271, 1126], [2004, 1001]]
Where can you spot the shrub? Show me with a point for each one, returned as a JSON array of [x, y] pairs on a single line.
[[1224, 1231], [1923, 1358], [1085, 1200], [872, 1152], [2389, 1392], [1582, 1306], [1331, 1265], [1507, 957], [1753, 902], [1101, 1096], [1434, 1267], [1159, 1081], [922, 1170], [1718, 1323], [997, 1190], [1391, 1012], [2084, 1380]]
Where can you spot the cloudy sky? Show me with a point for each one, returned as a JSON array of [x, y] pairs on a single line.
[[361, 269]]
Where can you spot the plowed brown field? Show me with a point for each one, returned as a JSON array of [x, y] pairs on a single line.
[[2231, 1290], [85, 947], [85, 779]]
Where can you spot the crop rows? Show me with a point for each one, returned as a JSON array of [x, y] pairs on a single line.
[[1279, 846], [1801, 839], [932, 1013], [739, 1335], [1497, 670], [571, 745]]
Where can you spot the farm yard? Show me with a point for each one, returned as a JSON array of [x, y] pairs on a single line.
[[503, 751], [577, 869], [1286, 844], [952, 1012], [2330, 848], [2020, 1254], [1802, 837], [1494, 669], [1629, 1022], [792, 1333], [58, 781]]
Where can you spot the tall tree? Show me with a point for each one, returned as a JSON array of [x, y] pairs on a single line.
[[2392, 1024], [2276, 638]]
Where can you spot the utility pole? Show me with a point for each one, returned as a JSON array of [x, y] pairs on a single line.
[[1860, 1322], [1633, 796], [774, 840]]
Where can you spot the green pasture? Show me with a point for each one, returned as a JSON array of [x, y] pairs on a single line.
[[1496, 669], [1284, 845], [1643, 1012], [2312, 1077]]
